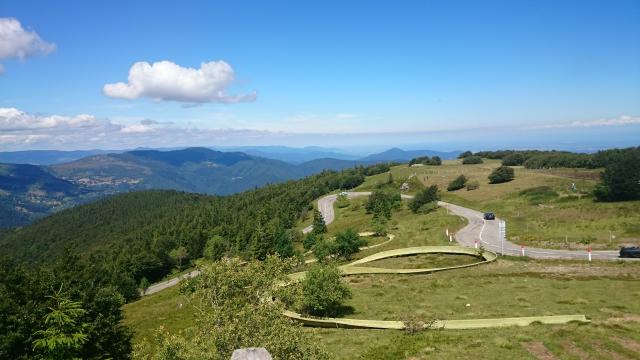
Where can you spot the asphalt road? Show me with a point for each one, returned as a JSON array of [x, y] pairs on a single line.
[[485, 232]]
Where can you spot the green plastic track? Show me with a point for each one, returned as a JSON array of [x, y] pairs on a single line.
[[354, 269]]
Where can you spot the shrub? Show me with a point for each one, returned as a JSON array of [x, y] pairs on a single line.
[[428, 195], [323, 249], [465, 154], [323, 291], [457, 183], [347, 243], [470, 160], [310, 240], [515, 159], [473, 185], [501, 174]]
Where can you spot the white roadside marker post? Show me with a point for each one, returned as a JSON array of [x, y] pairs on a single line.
[[522, 248], [476, 243], [446, 231], [589, 252], [450, 238]]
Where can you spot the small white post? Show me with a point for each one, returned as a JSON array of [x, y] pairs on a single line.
[[450, 238], [446, 231], [522, 248], [476, 244], [589, 251]]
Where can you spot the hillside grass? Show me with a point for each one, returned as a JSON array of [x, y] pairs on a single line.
[[508, 287], [540, 207]]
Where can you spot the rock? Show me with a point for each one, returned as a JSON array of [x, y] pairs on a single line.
[[251, 354]]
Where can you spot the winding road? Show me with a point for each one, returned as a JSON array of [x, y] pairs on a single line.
[[486, 232]]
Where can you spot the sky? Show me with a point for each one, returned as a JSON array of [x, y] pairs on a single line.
[[438, 74]]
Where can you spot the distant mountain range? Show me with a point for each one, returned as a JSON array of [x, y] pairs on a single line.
[[28, 192], [399, 155], [282, 153]]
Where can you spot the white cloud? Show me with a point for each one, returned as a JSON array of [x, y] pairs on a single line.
[[12, 119], [619, 121], [137, 128], [168, 81], [16, 42]]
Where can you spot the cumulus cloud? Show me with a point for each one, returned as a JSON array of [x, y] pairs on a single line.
[[12, 120], [18, 43], [619, 121], [168, 81]]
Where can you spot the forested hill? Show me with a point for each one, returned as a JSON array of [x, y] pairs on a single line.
[[146, 234]]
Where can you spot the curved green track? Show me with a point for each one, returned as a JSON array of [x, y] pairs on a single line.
[[354, 268]]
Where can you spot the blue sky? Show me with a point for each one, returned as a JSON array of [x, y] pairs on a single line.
[[436, 72]]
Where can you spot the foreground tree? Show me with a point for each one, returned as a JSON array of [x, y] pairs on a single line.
[[64, 332], [323, 291], [234, 309], [501, 174]]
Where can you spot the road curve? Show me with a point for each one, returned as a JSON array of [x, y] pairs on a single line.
[[485, 232]]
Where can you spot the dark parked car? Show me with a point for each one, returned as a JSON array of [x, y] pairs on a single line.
[[489, 216], [630, 252]]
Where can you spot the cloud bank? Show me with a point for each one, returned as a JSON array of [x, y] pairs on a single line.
[[18, 43], [168, 81], [619, 121]]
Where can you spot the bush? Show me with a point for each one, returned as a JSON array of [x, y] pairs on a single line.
[[501, 174], [323, 249], [347, 243], [428, 195], [473, 185], [470, 160], [465, 154], [323, 291], [319, 226], [515, 159], [310, 240], [457, 183], [425, 160], [382, 201]]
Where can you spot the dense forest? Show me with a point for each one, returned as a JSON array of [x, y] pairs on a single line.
[[146, 234]]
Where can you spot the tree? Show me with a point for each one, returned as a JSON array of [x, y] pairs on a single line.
[[514, 159], [621, 177], [319, 226], [347, 243], [427, 196], [215, 248], [382, 201], [144, 285], [470, 160], [310, 240], [323, 291], [501, 174], [64, 332], [379, 226], [465, 154], [323, 249], [457, 183], [284, 244], [235, 309], [179, 255]]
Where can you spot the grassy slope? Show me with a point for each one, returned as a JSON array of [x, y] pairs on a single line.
[[510, 287], [563, 221]]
